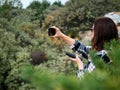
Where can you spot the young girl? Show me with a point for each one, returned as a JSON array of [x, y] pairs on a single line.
[[103, 30]]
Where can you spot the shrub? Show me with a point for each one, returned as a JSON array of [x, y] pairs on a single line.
[[38, 57]]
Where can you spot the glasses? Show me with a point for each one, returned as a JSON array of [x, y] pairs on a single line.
[[92, 28]]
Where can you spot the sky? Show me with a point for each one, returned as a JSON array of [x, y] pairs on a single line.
[[27, 2]]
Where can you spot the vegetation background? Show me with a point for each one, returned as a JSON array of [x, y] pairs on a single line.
[[23, 32]]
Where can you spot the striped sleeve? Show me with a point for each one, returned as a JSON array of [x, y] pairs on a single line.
[[81, 48], [80, 73], [89, 67], [103, 54]]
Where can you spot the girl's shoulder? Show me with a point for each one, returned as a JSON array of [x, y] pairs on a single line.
[[104, 55]]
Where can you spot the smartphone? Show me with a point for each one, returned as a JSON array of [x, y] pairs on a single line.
[[51, 31], [70, 55]]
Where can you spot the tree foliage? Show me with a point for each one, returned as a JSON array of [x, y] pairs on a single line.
[[39, 7], [11, 3], [58, 3], [7, 5], [79, 15]]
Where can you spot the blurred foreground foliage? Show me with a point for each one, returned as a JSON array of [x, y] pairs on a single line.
[[105, 77]]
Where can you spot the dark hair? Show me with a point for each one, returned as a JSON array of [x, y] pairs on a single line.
[[38, 57], [104, 31]]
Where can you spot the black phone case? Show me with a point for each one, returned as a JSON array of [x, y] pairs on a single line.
[[70, 55], [51, 31]]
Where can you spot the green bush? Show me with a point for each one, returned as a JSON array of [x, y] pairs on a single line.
[[105, 77]]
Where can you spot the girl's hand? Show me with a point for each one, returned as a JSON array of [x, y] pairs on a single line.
[[58, 33], [78, 61]]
